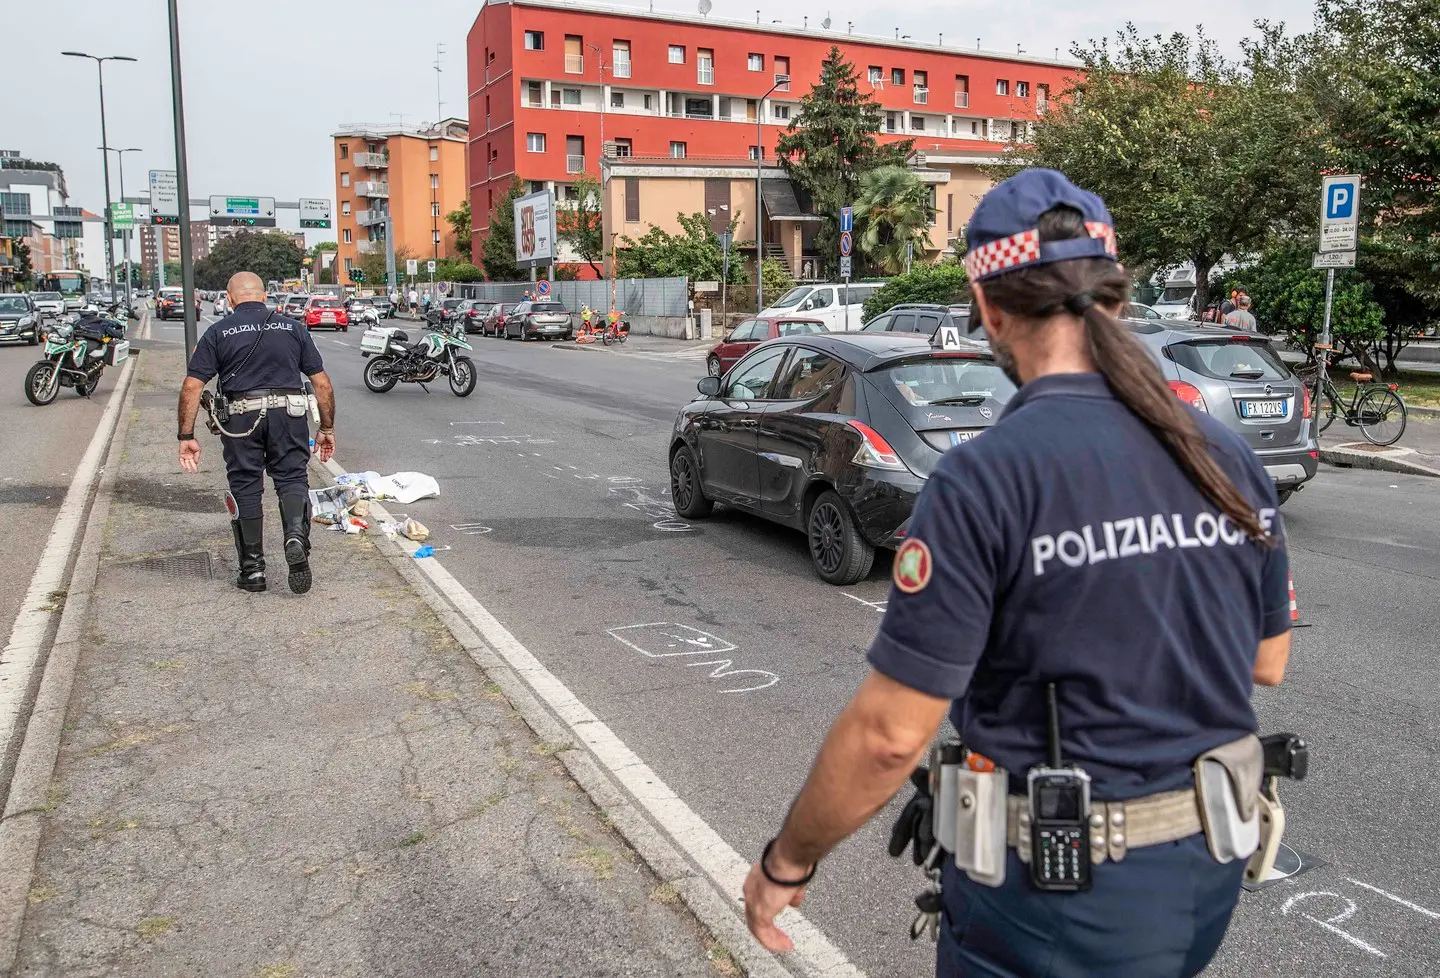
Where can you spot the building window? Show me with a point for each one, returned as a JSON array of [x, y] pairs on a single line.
[[434, 154], [349, 264], [536, 186], [782, 70], [568, 191], [648, 102], [962, 91], [535, 95], [535, 142], [922, 88], [756, 62], [780, 112], [949, 212], [574, 55], [632, 200], [677, 150], [345, 207], [1002, 87], [891, 123], [570, 96], [435, 237], [677, 54], [917, 123], [434, 208], [757, 152], [344, 179], [1042, 96], [623, 147], [347, 235], [620, 59], [897, 76], [974, 127], [489, 201], [1022, 89], [617, 100], [704, 66], [344, 151], [877, 76], [534, 40], [934, 205], [434, 181]]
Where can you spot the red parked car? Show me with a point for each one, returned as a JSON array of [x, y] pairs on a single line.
[[750, 334], [324, 310]]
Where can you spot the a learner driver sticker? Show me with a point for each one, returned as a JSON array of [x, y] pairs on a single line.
[[912, 566]]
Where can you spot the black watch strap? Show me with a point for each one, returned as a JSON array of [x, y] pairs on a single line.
[[186, 436], [765, 868]]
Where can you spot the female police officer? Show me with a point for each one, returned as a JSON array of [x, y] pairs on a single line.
[[1103, 537]]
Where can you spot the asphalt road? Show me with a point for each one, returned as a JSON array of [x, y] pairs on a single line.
[[555, 508]]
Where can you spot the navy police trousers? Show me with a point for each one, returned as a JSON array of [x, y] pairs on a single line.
[[280, 445], [1159, 913]]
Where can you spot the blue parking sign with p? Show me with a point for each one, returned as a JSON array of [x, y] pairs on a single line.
[[1339, 201]]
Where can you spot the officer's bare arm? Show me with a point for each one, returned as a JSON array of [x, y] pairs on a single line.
[[867, 757], [189, 403], [325, 398], [1271, 659]]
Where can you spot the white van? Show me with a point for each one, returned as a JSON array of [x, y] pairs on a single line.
[[840, 307], [1177, 300]]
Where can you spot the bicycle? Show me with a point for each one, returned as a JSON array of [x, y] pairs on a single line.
[[1376, 409]]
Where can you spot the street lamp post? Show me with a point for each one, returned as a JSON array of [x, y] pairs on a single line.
[[182, 182], [120, 153], [759, 205], [104, 156]]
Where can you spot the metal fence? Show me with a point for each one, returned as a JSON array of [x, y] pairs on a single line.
[[636, 296]]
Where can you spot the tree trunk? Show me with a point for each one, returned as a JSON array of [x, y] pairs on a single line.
[[1203, 265]]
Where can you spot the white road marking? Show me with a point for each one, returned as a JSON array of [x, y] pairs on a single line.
[[341, 343], [1390, 896], [697, 354], [1330, 922], [814, 953]]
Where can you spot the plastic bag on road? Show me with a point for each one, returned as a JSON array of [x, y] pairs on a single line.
[[415, 530], [403, 487]]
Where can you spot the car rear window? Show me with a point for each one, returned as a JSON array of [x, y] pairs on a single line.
[[1230, 359], [947, 379], [795, 329], [327, 303], [547, 307], [453, 303], [48, 295]]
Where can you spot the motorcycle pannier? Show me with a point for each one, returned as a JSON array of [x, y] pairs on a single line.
[[376, 339], [116, 351]]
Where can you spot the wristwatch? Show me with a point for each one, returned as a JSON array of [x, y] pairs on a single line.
[[186, 436]]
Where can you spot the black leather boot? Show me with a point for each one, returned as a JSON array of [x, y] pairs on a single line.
[[250, 548], [295, 520]]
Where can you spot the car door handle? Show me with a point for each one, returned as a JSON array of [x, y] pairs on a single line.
[[748, 423]]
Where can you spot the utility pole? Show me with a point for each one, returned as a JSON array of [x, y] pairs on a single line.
[[759, 203], [600, 161], [120, 153], [104, 156], [182, 181]]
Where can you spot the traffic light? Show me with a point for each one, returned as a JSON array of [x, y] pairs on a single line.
[[357, 275]]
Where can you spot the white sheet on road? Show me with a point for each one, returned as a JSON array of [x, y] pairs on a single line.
[[403, 487]]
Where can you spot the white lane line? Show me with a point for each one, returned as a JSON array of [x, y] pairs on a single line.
[[341, 343], [1403, 902], [815, 954], [22, 658]]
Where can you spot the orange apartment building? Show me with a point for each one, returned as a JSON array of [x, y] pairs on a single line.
[[672, 102], [415, 176]]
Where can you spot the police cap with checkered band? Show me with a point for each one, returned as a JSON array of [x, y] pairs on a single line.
[[1003, 235]]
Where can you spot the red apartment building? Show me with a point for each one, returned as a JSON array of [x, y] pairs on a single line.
[[551, 81]]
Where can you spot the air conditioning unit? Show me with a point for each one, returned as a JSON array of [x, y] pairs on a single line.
[[609, 149], [919, 159]]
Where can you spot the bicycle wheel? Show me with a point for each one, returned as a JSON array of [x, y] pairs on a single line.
[[1381, 415], [1325, 409]]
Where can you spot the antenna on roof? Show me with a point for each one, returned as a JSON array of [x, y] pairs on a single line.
[[849, 27], [439, 113], [825, 24], [942, 39], [757, 16], [705, 7], [805, 23]]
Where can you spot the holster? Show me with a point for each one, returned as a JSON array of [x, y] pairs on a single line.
[[971, 815], [1227, 788]]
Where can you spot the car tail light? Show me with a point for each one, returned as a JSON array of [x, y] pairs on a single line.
[[1190, 394], [875, 452], [1306, 391]]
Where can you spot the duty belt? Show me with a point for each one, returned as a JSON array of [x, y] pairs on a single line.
[[1118, 826], [261, 400]]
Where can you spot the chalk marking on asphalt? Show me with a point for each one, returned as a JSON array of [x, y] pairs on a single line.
[[23, 655], [873, 605], [453, 423], [470, 529], [814, 952], [672, 636], [1330, 922], [1400, 900]]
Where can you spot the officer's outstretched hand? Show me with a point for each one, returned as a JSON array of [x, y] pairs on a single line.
[[764, 901], [324, 445], [190, 456]]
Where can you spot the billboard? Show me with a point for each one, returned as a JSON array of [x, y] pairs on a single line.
[[535, 229]]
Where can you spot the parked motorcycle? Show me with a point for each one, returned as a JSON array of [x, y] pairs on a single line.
[[394, 360], [76, 354]]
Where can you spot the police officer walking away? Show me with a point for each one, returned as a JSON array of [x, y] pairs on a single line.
[[261, 358], [1090, 588]]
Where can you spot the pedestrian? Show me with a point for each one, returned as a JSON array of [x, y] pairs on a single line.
[[1241, 317], [1104, 541], [1227, 305], [414, 301], [259, 357], [586, 314]]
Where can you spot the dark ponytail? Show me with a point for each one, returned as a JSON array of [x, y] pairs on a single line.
[[1083, 287]]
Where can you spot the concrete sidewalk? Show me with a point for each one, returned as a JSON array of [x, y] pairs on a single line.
[[281, 786], [1416, 453]]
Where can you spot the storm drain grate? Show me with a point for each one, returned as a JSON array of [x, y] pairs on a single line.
[[195, 564]]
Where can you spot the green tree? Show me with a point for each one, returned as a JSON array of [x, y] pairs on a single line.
[[580, 226], [461, 227], [497, 251], [269, 255], [694, 252], [323, 246], [372, 266], [943, 282], [892, 212], [776, 278], [1197, 156], [173, 272], [830, 143]]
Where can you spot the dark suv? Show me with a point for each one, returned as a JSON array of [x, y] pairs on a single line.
[[923, 318]]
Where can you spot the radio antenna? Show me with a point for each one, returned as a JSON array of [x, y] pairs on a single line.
[[1052, 726]]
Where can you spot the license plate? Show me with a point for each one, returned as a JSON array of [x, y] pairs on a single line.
[[961, 437], [1262, 409], [327, 319]]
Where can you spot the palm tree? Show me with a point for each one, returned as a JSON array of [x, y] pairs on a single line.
[[893, 210]]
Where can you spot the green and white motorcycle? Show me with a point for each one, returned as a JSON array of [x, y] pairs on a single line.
[[75, 357], [395, 360]]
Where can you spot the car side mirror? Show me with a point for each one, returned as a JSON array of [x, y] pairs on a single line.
[[709, 386]]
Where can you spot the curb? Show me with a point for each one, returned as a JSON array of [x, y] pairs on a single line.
[[1424, 412], [1391, 460], [702, 897], [28, 798]]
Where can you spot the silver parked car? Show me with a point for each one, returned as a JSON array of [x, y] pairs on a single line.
[[538, 319], [1239, 378]]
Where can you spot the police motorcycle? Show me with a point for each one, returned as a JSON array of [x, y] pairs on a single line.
[[76, 354], [394, 359], [961, 811]]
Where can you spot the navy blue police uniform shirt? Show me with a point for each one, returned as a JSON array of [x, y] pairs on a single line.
[[1067, 545], [286, 352]]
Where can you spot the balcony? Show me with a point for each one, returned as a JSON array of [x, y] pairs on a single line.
[[621, 69], [705, 74], [782, 82], [574, 164], [370, 218], [1042, 105], [373, 188], [372, 161], [922, 95], [962, 100], [574, 64]]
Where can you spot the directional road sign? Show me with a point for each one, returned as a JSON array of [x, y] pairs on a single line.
[[122, 218], [164, 197], [847, 220], [243, 211], [314, 212], [542, 287], [847, 244], [1333, 259], [1340, 213], [845, 266]]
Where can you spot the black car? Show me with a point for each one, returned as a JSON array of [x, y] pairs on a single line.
[[833, 434], [923, 318], [473, 314], [19, 320]]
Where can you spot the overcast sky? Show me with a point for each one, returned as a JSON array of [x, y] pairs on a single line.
[[266, 81]]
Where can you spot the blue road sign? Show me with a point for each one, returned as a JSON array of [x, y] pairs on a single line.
[[847, 243], [1339, 201], [1339, 213], [847, 221], [542, 287]]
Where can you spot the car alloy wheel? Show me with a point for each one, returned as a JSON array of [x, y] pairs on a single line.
[[840, 554], [826, 544], [685, 492], [712, 366]]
